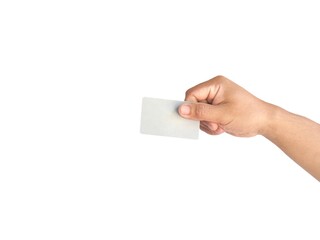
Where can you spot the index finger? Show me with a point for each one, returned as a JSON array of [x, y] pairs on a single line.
[[203, 92]]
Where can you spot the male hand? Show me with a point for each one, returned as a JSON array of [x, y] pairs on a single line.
[[223, 106]]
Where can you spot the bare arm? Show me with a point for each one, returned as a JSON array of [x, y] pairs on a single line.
[[223, 106], [297, 136]]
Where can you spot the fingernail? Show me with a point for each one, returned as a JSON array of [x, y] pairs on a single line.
[[185, 109]]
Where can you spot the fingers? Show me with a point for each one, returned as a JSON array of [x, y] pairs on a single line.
[[211, 128], [202, 112], [209, 125], [206, 91], [211, 132], [208, 103]]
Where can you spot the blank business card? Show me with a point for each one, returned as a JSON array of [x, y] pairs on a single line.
[[161, 117]]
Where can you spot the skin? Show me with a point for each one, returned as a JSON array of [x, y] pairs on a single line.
[[223, 106]]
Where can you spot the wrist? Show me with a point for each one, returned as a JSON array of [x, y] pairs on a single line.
[[272, 114]]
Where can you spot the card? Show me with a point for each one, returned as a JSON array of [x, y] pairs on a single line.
[[161, 117]]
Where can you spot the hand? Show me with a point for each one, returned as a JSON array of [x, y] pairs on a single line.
[[223, 106]]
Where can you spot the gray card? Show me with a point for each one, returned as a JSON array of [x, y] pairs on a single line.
[[161, 117]]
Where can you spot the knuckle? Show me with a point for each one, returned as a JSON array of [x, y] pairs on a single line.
[[189, 96], [187, 92], [200, 111], [220, 79]]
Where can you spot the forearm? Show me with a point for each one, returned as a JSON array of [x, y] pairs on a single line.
[[297, 136]]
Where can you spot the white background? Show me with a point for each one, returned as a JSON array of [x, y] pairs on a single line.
[[73, 164]]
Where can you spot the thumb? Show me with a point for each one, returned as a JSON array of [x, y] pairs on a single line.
[[201, 111]]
